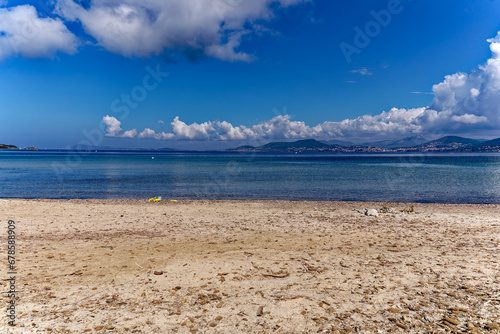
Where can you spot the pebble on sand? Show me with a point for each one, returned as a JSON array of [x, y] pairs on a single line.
[[492, 326], [372, 212]]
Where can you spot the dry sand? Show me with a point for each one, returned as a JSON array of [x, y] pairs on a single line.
[[252, 266]]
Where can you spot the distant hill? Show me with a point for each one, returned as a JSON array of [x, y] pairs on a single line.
[[444, 144], [8, 147], [340, 142], [456, 140], [306, 145], [165, 149], [299, 145], [242, 148], [493, 142], [399, 143], [449, 143]]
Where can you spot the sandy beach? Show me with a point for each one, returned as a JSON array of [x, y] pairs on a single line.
[[128, 266]]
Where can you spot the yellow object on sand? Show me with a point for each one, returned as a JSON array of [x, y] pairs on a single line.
[[173, 200], [154, 199]]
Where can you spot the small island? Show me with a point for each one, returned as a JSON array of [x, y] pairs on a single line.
[[8, 147]]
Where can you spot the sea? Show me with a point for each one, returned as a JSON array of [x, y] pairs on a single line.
[[441, 178]]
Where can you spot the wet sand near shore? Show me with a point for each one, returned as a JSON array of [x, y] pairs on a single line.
[[128, 266]]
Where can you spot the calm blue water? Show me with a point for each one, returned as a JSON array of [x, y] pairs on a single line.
[[421, 178]]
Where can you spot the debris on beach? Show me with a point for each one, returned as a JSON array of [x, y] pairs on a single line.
[[410, 209], [372, 213], [280, 274], [386, 209]]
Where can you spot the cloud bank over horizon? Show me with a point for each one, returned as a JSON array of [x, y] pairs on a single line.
[[137, 28], [463, 103]]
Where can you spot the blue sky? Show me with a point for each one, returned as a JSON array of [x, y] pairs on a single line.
[[241, 73]]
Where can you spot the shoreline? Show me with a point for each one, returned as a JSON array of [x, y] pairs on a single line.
[[239, 266], [188, 200]]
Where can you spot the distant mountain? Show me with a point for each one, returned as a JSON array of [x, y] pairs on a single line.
[[493, 142], [165, 149], [299, 145], [450, 144], [405, 145], [306, 145], [243, 148], [399, 143], [8, 147], [340, 142], [456, 140]]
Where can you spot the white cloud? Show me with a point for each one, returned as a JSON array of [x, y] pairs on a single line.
[[226, 131], [149, 133], [24, 33], [362, 71], [198, 27], [113, 128], [130, 134], [226, 51], [469, 119], [193, 131], [394, 122], [469, 98]]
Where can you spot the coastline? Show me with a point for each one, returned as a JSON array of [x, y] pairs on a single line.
[[267, 266]]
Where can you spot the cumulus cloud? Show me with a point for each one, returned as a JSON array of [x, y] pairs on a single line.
[[114, 129], [130, 134], [213, 28], [113, 126], [469, 119], [470, 98], [394, 122], [149, 133], [24, 33], [193, 131]]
